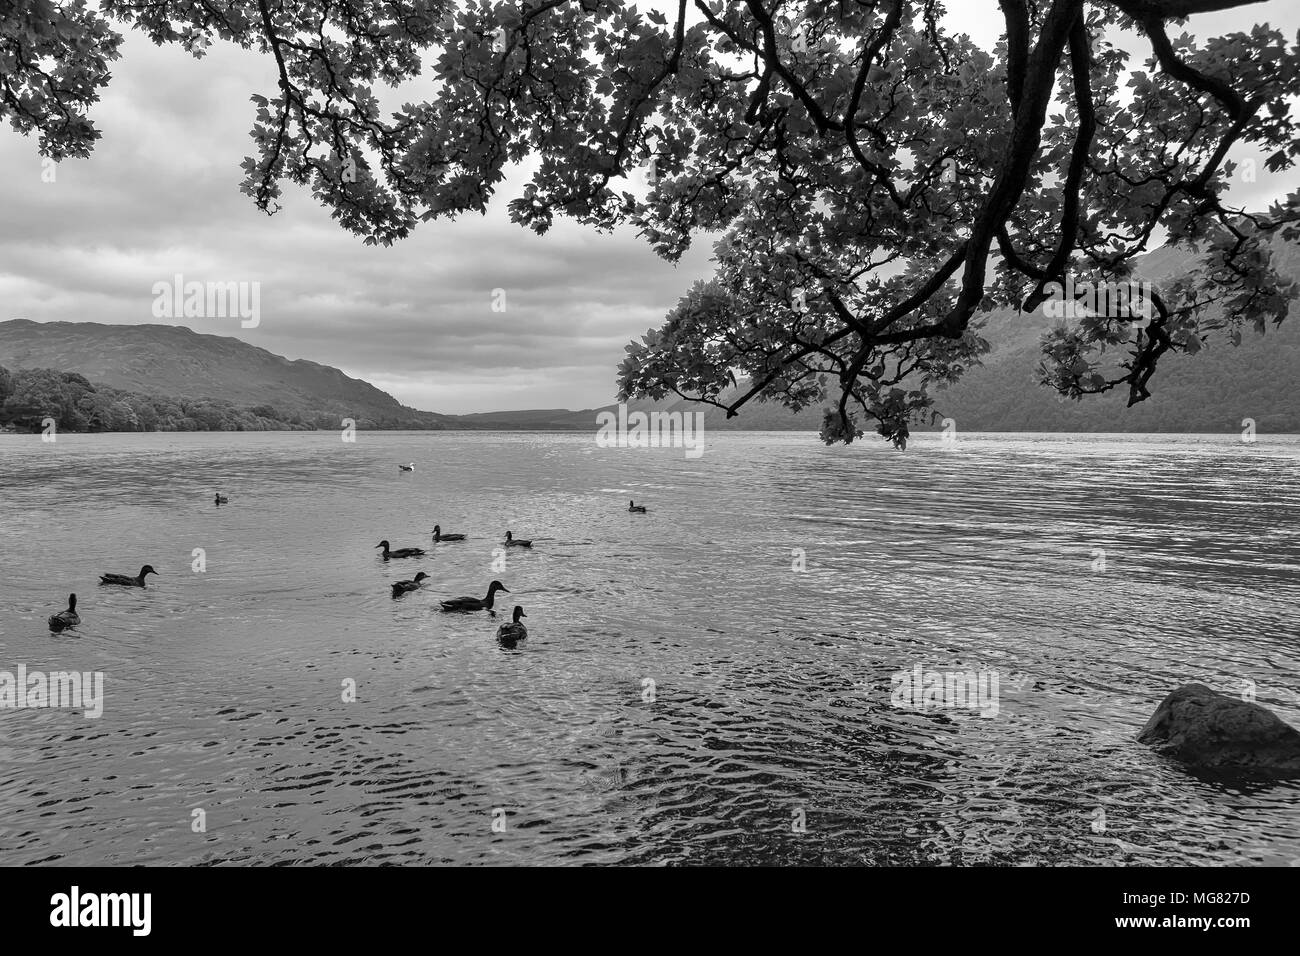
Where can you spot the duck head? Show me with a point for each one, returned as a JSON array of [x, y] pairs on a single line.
[[437, 530], [519, 612], [72, 602], [631, 503], [382, 544], [496, 586], [147, 569], [420, 577], [509, 536]]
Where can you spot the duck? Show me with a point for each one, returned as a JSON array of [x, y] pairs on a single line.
[[473, 603], [401, 587], [514, 631], [222, 499], [410, 467], [439, 536], [126, 580], [513, 542], [635, 508], [68, 618], [400, 552]]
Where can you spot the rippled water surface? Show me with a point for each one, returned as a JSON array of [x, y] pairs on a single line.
[[684, 695]]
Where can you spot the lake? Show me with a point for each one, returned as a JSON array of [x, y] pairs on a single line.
[[713, 682]]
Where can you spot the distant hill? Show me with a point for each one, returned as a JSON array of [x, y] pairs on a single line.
[[534, 419], [1208, 392], [176, 362], [1211, 391], [760, 416]]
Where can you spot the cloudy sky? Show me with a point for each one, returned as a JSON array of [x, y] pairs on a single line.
[[159, 196]]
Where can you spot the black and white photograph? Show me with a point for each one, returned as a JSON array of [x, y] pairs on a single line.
[[727, 434]]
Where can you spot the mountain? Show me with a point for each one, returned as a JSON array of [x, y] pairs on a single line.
[[181, 365], [1211, 391], [531, 419], [759, 416], [176, 362]]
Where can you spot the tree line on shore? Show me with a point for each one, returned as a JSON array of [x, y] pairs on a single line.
[[30, 397]]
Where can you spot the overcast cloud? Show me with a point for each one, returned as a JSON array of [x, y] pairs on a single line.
[[159, 196]]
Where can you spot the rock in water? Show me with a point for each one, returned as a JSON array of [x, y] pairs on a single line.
[[1213, 731]]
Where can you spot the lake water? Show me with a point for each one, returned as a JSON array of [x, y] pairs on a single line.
[[685, 695]]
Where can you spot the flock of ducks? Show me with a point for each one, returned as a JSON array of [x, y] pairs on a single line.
[[509, 632], [514, 631]]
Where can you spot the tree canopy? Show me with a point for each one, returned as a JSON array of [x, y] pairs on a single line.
[[874, 181]]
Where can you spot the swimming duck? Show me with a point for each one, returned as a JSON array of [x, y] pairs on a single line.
[[638, 509], [514, 631], [126, 580], [410, 467], [222, 499], [401, 587], [400, 552], [439, 536], [68, 618], [473, 603], [513, 542]]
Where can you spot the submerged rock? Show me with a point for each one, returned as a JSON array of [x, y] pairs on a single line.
[[1213, 731]]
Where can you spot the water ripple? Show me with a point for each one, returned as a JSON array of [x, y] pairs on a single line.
[[708, 683]]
